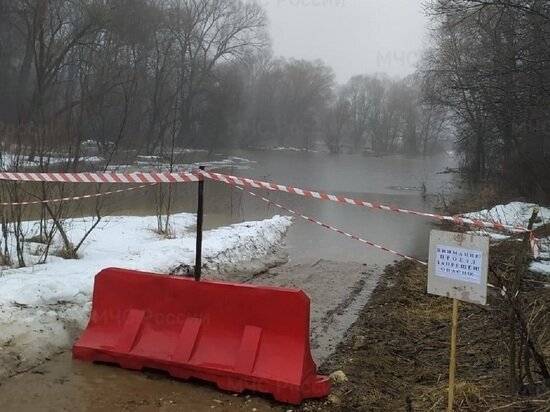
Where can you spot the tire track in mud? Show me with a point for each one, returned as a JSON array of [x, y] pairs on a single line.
[[332, 327], [338, 291]]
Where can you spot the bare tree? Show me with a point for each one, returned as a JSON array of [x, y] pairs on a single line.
[[489, 67], [336, 122]]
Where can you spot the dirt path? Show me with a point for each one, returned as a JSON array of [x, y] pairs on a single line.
[[338, 292]]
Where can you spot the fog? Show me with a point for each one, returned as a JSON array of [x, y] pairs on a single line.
[[440, 106], [95, 77], [351, 36]]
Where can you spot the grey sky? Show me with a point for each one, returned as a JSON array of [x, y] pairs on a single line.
[[352, 36]]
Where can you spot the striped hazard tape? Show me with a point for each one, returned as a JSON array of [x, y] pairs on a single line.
[[534, 242], [188, 177], [76, 198], [137, 177], [258, 184], [334, 229]]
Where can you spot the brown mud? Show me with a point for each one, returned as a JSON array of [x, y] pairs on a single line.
[[396, 355], [63, 384]]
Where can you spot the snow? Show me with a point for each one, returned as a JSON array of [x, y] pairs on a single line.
[[517, 214], [544, 246], [8, 160], [131, 242], [293, 149], [151, 158], [181, 150], [542, 267], [44, 307], [157, 164], [144, 163], [92, 159]]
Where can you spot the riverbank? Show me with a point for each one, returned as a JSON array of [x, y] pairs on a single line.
[[395, 358]]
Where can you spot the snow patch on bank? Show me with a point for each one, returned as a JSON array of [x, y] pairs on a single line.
[[254, 248], [517, 214], [43, 308], [514, 213], [8, 160], [158, 164], [542, 267]]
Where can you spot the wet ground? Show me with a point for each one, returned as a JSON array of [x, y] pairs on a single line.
[[63, 384], [338, 292]]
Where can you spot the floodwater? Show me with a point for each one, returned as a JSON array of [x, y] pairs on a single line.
[[393, 180], [337, 273]]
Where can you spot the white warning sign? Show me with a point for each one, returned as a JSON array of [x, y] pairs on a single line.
[[459, 264]]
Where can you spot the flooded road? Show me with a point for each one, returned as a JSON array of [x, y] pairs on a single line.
[[385, 180], [337, 273], [393, 180]]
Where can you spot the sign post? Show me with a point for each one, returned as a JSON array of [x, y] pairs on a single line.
[[457, 269], [452, 364]]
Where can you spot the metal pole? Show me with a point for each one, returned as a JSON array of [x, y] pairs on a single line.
[[200, 219]]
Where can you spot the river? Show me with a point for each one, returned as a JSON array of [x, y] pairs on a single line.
[[393, 180]]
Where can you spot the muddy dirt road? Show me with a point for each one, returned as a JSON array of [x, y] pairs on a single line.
[[338, 292], [66, 385]]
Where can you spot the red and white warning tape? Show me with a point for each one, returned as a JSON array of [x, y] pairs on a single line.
[[187, 177], [258, 184], [534, 245], [179, 177], [75, 198], [334, 229]]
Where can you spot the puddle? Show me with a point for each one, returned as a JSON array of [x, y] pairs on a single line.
[[64, 384]]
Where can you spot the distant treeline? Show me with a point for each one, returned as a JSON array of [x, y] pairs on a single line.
[[153, 74]]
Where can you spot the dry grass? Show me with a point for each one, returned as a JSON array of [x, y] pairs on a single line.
[[467, 395], [404, 364]]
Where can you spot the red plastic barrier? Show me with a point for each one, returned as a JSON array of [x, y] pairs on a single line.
[[238, 336]]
